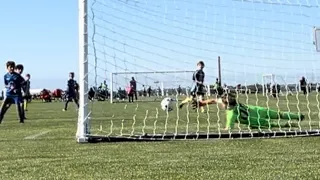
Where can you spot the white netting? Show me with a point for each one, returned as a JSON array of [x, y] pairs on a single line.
[[253, 38]]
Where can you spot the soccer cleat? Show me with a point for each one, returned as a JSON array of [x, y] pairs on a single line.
[[301, 117], [21, 121], [180, 106], [64, 110]]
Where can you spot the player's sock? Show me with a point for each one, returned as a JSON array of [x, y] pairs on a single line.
[[25, 105], [3, 110], [23, 111], [20, 113], [66, 106], [188, 99]]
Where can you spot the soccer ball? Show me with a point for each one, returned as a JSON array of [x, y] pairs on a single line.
[[167, 104]]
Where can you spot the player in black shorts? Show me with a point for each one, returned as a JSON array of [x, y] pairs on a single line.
[[13, 82], [19, 70], [72, 92], [199, 89]]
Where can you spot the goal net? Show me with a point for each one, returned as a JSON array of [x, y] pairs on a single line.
[[159, 42]]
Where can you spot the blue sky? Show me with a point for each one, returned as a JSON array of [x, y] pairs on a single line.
[[43, 36], [164, 35]]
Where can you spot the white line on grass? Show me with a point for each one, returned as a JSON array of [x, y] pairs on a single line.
[[34, 136]]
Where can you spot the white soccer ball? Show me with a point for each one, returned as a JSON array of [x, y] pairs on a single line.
[[167, 104]]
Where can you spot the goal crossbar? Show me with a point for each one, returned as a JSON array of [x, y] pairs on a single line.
[[149, 72]]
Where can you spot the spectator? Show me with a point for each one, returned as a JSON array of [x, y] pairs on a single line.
[[179, 90], [149, 91], [129, 90], [133, 85], [303, 85], [144, 91]]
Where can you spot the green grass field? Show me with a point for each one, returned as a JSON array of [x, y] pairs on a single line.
[[45, 147]]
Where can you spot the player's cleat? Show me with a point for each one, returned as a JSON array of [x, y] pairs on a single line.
[[195, 104], [181, 106], [22, 121], [64, 110]]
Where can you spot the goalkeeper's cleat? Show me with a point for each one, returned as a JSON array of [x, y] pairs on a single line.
[[202, 109], [301, 117]]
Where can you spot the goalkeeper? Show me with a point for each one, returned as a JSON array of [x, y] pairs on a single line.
[[253, 116]]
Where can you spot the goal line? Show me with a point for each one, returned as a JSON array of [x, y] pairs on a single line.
[[198, 136]]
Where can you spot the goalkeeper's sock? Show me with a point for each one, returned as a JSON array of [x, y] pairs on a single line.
[[188, 99]]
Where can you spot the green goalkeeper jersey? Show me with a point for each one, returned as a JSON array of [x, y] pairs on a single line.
[[256, 116], [253, 116]]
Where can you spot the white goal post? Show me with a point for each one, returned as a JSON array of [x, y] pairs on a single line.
[[83, 113], [316, 36]]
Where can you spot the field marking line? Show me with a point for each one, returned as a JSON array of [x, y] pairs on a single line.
[[34, 136]]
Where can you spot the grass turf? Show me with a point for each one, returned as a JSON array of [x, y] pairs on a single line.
[[56, 155]]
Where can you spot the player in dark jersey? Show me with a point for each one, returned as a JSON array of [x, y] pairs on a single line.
[[199, 90], [13, 83], [253, 116], [26, 89], [19, 70], [72, 91]]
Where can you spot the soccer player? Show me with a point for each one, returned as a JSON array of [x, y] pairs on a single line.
[[253, 116], [13, 82], [19, 70], [72, 91], [198, 90], [26, 91]]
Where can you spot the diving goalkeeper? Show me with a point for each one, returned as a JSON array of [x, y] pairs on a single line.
[[253, 116]]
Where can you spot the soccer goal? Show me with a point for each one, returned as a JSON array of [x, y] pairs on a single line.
[[276, 85], [159, 43]]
